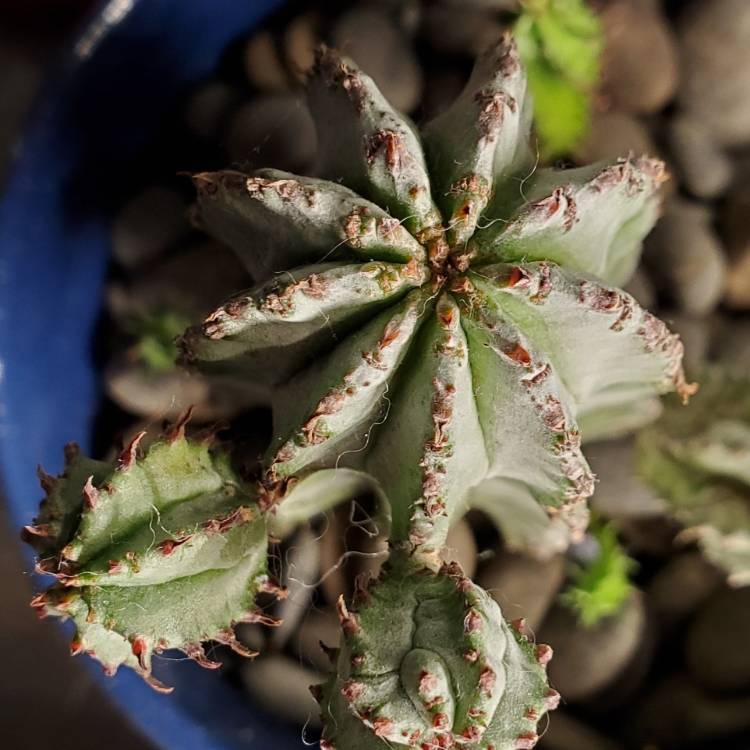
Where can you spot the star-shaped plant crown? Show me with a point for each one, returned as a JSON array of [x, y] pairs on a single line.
[[437, 312]]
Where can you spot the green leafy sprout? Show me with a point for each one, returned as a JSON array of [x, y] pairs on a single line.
[[599, 589], [561, 43], [156, 335]]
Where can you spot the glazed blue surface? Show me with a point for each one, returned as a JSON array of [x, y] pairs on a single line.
[[106, 101]]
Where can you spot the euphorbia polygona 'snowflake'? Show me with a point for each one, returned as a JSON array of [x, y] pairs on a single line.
[[428, 661], [151, 553], [436, 320], [439, 312]]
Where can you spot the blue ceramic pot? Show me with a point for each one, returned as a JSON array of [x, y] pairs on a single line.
[[108, 98]]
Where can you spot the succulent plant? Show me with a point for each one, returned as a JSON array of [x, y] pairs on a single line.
[[699, 462], [451, 673], [157, 552], [438, 325], [447, 323]]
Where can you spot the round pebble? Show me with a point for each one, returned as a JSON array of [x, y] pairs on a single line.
[[587, 660], [208, 108], [731, 345], [508, 6], [334, 580], [275, 130], [737, 293], [409, 15], [716, 646], [263, 66], [522, 586], [156, 396], [687, 258], [679, 714], [317, 627], [715, 45], [281, 686], [441, 90], [682, 586], [460, 28], [166, 395], [348, 551], [703, 166], [695, 332], [613, 135], [148, 225], [642, 288], [381, 49], [300, 42], [619, 492], [652, 535], [252, 635], [735, 230], [640, 69], [565, 732], [171, 284]]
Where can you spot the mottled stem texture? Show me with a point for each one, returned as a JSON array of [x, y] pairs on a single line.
[[440, 319]]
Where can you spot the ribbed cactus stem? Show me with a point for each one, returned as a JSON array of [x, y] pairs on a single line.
[[158, 551], [428, 661], [434, 326]]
